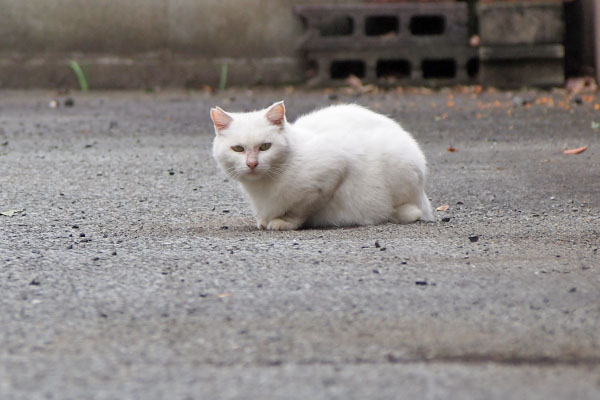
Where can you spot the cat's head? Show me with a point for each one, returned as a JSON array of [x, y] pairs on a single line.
[[251, 146]]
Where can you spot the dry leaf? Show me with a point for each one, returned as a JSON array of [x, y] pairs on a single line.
[[452, 149], [208, 89], [576, 85], [356, 83], [445, 207], [578, 150]]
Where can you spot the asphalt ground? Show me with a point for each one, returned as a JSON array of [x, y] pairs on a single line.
[[132, 269]]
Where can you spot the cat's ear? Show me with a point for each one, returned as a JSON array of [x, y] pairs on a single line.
[[220, 118], [276, 114]]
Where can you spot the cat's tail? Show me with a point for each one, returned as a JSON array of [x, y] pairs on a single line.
[[426, 210]]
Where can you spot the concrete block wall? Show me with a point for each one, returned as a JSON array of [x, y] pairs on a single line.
[[146, 43], [407, 43], [522, 43]]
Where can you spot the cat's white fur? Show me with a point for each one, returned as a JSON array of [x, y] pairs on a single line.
[[338, 166]]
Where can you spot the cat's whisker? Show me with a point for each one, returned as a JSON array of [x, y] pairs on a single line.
[[275, 172], [233, 172]]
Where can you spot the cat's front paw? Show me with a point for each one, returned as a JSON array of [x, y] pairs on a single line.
[[261, 224], [279, 224]]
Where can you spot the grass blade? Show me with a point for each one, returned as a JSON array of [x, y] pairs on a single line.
[[83, 82], [223, 77]]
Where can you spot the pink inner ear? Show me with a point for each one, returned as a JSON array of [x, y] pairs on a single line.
[[276, 114], [220, 118]]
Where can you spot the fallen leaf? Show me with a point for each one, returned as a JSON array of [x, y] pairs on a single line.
[[578, 150], [595, 125], [11, 213], [576, 85], [445, 207], [356, 83], [452, 149]]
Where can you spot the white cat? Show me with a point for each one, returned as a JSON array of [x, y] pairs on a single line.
[[338, 166]]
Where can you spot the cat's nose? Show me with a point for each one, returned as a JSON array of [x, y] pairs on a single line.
[[252, 164]]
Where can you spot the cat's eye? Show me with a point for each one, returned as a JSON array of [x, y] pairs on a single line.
[[265, 146], [237, 149]]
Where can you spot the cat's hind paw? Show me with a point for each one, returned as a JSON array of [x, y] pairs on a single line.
[[279, 224], [407, 213]]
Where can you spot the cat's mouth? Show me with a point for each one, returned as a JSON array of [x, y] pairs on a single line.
[[253, 174]]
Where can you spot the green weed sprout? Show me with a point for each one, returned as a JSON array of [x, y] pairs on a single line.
[[83, 81], [223, 77]]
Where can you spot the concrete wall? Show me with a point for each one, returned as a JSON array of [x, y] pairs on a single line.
[[146, 43], [177, 43]]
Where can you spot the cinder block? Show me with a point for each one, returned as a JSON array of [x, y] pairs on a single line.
[[389, 25], [400, 43], [520, 73], [518, 66], [517, 23], [447, 66], [540, 52], [521, 43]]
